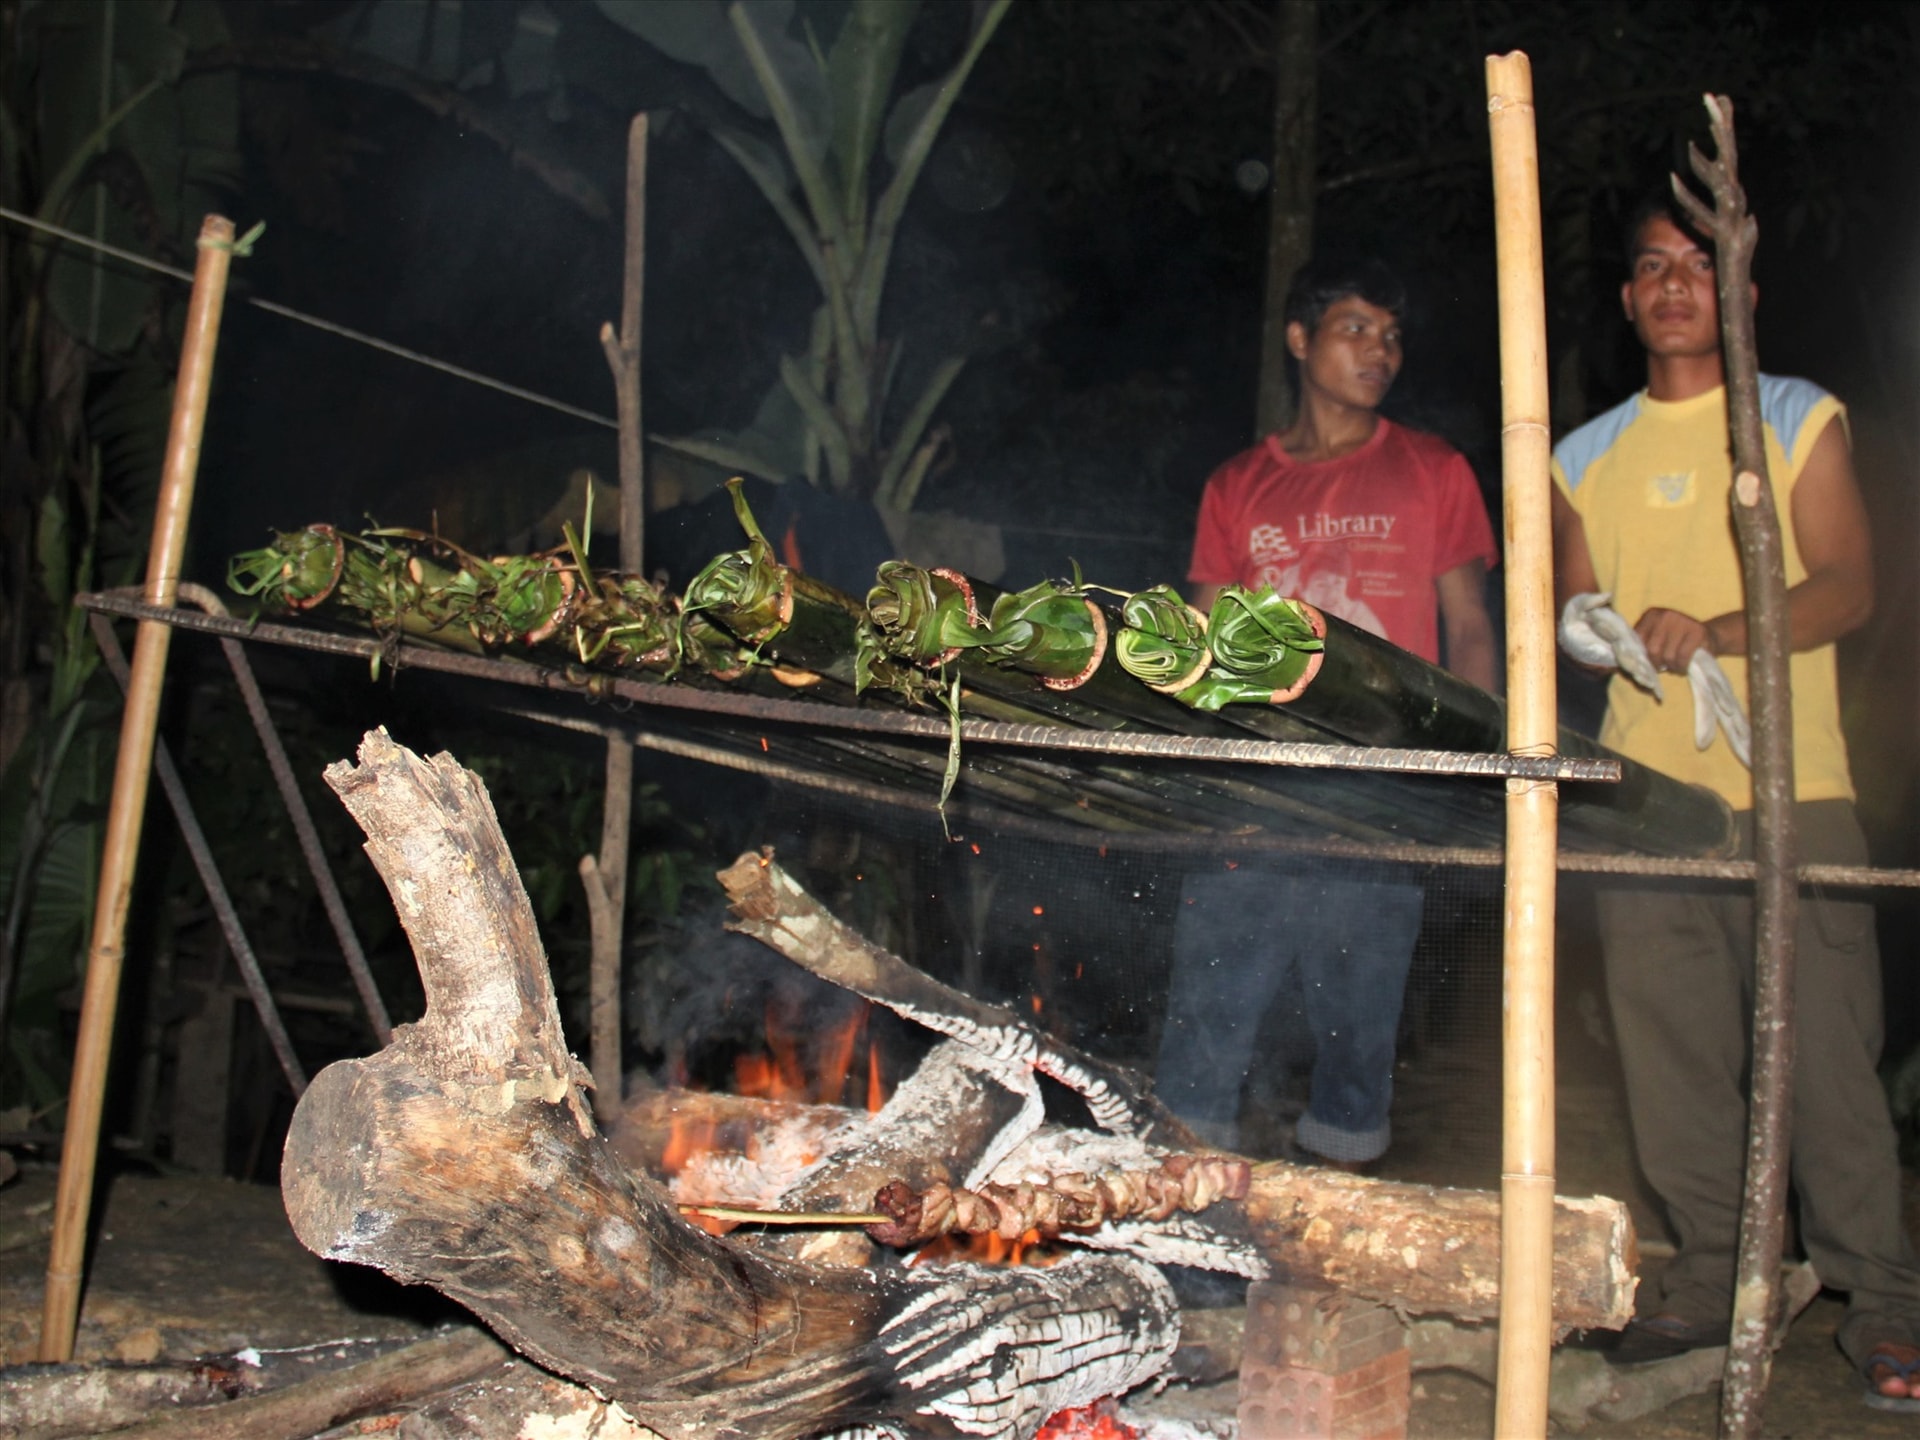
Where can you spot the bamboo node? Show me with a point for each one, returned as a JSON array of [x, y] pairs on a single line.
[[243, 247]]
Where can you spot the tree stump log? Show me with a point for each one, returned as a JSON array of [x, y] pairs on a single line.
[[464, 1156]]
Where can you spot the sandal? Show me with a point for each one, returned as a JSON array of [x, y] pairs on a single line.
[[1900, 1361], [1665, 1335]]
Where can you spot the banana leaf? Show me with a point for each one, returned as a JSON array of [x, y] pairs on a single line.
[[625, 622], [922, 616], [748, 591], [1163, 642], [379, 579], [1264, 648], [794, 618], [297, 572], [1051, 630]]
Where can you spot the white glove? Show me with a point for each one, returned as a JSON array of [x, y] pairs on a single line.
[[1714, 704], [1594, 633]]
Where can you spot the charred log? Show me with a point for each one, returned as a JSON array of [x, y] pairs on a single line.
[[770, 905], [1422, 1249], [954, 1118], [465, 1156]]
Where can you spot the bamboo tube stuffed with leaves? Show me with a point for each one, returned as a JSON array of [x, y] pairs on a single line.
[[1257, 650]]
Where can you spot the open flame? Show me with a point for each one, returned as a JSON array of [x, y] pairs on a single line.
[[986, 1249], [1098, 1421], [824, 1071], [781, 1071], [791, 1068]]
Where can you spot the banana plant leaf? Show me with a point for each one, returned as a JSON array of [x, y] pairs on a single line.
[[1256, 647], [1163, 642], [748, 591], [521, 599], [625, 622], [1265, 647], [298, 571]]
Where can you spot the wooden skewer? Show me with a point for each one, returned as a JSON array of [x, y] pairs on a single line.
[[1533, 806], [133, 769], [783, 1217]]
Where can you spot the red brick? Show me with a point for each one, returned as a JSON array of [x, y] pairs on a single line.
[[1320, 1366]]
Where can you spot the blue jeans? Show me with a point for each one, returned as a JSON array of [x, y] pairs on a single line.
[[1239, 935]]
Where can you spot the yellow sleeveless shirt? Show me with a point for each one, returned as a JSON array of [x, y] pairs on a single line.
[[1650, 480]]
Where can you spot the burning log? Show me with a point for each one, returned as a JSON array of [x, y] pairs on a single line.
[[1420, 1249], [771, 906], [464, 1156], [953, 1118]]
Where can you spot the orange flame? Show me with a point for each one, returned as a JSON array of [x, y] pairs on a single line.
[[986, 1249], [783, 1072]]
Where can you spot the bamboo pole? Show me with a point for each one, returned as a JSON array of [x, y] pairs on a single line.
[[1527, 1148], [605, 874], [133, 768], [1763, 568]]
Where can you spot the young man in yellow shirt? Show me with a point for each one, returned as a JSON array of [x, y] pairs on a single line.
[[1641, 511]]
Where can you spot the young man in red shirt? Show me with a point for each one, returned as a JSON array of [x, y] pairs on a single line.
[[1385, 527]]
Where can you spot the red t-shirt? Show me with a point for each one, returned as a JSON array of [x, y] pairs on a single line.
[[1363, 536]]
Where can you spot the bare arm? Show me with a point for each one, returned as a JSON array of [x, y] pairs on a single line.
[[1572, 560], [1201, 597], [1572, 565], [1469, 628], [1830, 527]]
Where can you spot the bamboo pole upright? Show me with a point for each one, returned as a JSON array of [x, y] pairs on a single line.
[[605, 874], [133, 769], [1533, 806]]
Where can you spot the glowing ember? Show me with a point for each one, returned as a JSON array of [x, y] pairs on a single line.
[[1099, 1421]]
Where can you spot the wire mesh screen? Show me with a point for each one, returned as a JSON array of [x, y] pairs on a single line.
[[1099, 941]]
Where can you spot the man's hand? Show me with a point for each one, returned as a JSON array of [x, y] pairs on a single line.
[[1671, 638], [1593, 634]]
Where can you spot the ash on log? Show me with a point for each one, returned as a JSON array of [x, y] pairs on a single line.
[[464, 1155]]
